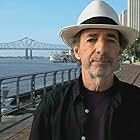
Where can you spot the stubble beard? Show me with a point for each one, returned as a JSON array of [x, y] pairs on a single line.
[[100, 73]]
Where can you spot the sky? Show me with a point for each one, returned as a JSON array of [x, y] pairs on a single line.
[[41, 20]]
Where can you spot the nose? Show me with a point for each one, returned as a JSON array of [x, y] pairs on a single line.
[[101, 46]]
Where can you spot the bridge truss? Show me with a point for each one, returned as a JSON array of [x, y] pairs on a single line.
[[30, 44]]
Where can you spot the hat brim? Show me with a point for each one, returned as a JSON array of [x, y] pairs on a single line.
[[68, 32]]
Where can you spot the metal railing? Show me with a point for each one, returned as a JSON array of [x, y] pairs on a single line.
[[18, 85]]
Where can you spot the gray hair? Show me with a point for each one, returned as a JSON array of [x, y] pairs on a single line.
[[75, 40]]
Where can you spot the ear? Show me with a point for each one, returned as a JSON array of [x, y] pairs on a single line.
[[76, 52], [120, 55], [120, 51]]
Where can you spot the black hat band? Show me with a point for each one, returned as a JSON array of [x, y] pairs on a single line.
[[100, 20]]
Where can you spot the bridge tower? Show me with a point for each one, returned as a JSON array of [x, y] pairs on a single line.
[[31, 55], [26, 54]]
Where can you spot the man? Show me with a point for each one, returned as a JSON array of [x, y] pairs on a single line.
[[98, 106]]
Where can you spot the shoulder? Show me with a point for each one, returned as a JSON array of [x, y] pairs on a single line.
[[60, 92], [129, 88], [125, 87], [129, 92]]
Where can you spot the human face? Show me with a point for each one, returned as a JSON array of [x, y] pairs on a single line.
[[98, 51]]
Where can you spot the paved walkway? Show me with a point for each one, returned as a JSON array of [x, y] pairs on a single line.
[[21, 131], [130, 73]]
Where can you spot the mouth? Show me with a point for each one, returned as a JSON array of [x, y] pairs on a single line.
[[101, 61]]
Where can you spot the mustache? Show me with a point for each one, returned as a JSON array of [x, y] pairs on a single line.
[[99, 58]]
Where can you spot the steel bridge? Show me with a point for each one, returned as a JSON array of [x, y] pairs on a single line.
[[28, 44]]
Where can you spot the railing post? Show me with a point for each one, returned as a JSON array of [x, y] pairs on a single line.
[[45, 74], [62, 78], [17, 92], [69, 75], [33, 90], [54, 79], [0, 103], [75, 74]]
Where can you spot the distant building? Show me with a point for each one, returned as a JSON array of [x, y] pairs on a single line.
[[133, 16], [123, 18]]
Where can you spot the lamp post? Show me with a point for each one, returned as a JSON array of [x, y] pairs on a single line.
[[135, 47]]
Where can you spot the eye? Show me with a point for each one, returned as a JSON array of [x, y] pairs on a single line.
[[91, 40], [112, 40]]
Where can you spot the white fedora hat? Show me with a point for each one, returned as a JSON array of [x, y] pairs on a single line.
[[98, 14]]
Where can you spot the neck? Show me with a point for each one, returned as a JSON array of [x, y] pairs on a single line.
[[97, 83]]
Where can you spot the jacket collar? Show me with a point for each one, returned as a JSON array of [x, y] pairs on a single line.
[[116, 97]]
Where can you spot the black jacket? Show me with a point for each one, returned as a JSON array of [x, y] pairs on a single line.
[[61, 116]]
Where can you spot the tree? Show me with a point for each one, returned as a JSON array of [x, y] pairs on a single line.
[[135, 47]]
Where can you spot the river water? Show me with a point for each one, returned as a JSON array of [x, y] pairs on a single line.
[[18, 66]]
